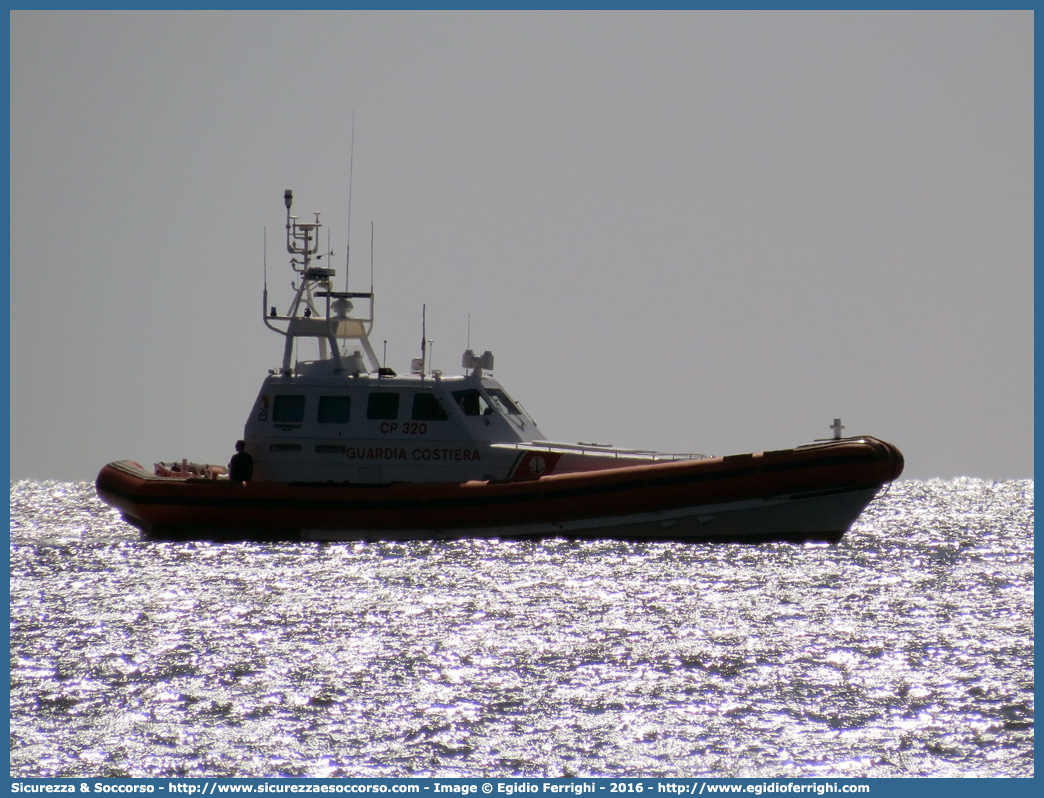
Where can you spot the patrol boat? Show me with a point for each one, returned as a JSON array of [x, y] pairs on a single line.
[[343, 448]]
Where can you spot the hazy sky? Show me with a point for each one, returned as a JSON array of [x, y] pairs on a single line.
[[690, 231]]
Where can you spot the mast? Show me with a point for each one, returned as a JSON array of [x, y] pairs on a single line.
[[329, 320]]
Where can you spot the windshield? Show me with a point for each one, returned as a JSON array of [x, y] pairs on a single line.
[[503, 402], [472, 402]]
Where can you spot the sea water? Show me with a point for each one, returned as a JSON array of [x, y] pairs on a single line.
[[904, 650]]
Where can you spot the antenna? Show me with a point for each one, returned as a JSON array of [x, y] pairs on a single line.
[[351, 169], [424, 335], [418, 363], [469, 332]]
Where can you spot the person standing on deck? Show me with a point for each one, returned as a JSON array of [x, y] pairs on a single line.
[[241, 466]]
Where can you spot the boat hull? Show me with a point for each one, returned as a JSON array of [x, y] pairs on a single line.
[[812, 492]]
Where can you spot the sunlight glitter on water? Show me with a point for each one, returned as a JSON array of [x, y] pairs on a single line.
[[907, 649]]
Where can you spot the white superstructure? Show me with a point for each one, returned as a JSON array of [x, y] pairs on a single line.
[[344, 418]]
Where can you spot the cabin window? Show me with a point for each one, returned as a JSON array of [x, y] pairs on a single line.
[[503, 402], [472, 403], [288, 409], [382, 406], [284, 447], [334, 409], [426, 407]]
